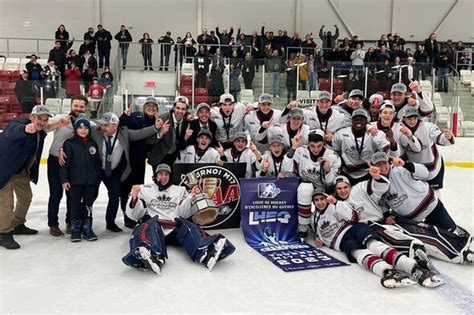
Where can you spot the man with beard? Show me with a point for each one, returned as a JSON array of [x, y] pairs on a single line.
[[78, 106], [203, 113], [258, 121], [356, 146]]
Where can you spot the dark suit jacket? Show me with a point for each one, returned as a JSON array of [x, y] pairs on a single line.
[[124, 136], [161, 147], [196, 127]]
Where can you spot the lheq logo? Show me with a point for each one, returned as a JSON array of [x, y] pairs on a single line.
[[219, 183]]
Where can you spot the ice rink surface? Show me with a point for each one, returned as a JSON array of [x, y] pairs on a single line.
[[52, 275]]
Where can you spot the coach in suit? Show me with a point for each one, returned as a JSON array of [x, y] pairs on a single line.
[[165, 147], [203, 113], [114, 143]]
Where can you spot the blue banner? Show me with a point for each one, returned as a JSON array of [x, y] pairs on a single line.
[[269, 220]]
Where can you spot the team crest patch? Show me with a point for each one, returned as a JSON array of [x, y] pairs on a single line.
[[92, 150]]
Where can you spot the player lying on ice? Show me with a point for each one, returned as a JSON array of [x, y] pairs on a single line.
[[335, 224], [163, 209]]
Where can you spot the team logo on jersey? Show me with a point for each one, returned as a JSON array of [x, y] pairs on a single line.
[[162, 202], [353, 154], [268, 190], [395, 201], [92, 150]]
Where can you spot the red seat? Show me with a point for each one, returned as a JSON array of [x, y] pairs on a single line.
[[186, 80], [201, 91], [8, 88], [385, 95], [24, 115], [15, 75], [338, 83], [4, 104], [7, 117], [201, 99], [5, 75], [184, 90]]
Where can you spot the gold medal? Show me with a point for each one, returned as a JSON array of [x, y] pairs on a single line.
[[109, 158]]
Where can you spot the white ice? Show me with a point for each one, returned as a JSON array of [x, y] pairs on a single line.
[[52, 275]]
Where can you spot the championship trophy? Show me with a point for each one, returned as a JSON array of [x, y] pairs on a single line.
[[205, 211]]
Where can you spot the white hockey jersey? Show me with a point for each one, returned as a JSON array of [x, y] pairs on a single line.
[[312, 171], [345, 110], [403, 142], [331, 225], [423, 103], [409, 195], [285, 166], [189, 155], [257, 134], [357, 152], [227, 127], [429, 136], [335, 121], [283, 130], [246, 156], [365, 199], [171, 203]]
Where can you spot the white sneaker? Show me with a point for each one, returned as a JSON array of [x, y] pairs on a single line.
[[148, 259], [213, 252]]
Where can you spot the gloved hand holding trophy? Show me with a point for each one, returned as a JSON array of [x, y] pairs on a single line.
[[204, 208]]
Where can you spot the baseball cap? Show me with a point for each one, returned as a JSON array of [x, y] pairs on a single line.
[[163, 167], [319, 191], [240, 134], [109, 118], [276, 138], [151, 99], [202, 105], [341, 178], [41, 110], [379, 157], [324, 95], [411, 111], [205, 131], [398, 87], [387, 104], [296, 112], [360, 112], [316, 136], [265, 98], [356, 93], [374, 97], [225, 97], [182, 99]]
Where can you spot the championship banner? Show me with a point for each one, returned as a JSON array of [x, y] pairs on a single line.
[[221, 184], [269, 222]]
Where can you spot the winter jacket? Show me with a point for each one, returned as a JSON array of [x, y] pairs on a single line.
[[124, 38], [73, 77], [103, 39]]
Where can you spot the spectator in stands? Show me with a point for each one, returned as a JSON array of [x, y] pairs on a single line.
[[124, 38], [234, 83], [95, 94], [394, 52], [248, 70], [442, 62], [431, 48], [351, 82], [35, 70], [370, 58], [421, 61], [178, 52], [308, 46], [26, 91], [73, 57], [256, 50], [324, 71], [358, 56], [383, 42], [409, 72], [216, 88], [21, 145], [465, 62], [89, 42], [89, 69], [203, 113], [189, 51], [201, 66], [354, 41], [138, 149], [103, 38], [106, 78], [236, 59], [328, 39], [300, 60], [224, 39], [50, 82], [55, 159], [166, 145], [295, 46], [399, 41], [165, 50], [58, 55], [215, 43], [204, 40], [291, 81], [312, 72], [62, 36], [73, 79], [273, 66], [146, 51], [382, 55]]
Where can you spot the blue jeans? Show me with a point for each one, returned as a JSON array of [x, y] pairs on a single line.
[[313, 78], [123, 54], [443, 79], [56, 193], [275, 78]]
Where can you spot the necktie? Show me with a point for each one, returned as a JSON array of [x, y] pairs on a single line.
[[177, 132], [108, 157]]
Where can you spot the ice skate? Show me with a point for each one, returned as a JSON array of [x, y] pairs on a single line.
[[150, 261], [302, 231], [422, 259], [426, 278], [213, 252], [468, 256], [393, 278]]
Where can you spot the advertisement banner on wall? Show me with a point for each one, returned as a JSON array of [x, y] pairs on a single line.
[[269, 223]]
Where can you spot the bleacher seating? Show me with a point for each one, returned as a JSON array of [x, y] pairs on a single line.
[[303, 94], [12, 64], [467, 128], [187, 69], [442, 115], [4, 104], [247, 96], [426, 85], [42, 62], [6, 118], [66, 106], [437, 99], [23, 62], [7, 88], [186, 80], [466, 77], [54, 105], [2, 63]]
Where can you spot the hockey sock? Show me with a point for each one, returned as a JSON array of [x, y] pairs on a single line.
[[369, 261], [304, 213], [392, 256]]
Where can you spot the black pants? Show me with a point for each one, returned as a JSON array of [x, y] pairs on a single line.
[[26, 107], [56, 193], [82, 199], [164, 61], [290, 93], [104, 57], [201, 79], [113, 185], [136, 177], [147, 61], [248, 82]]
